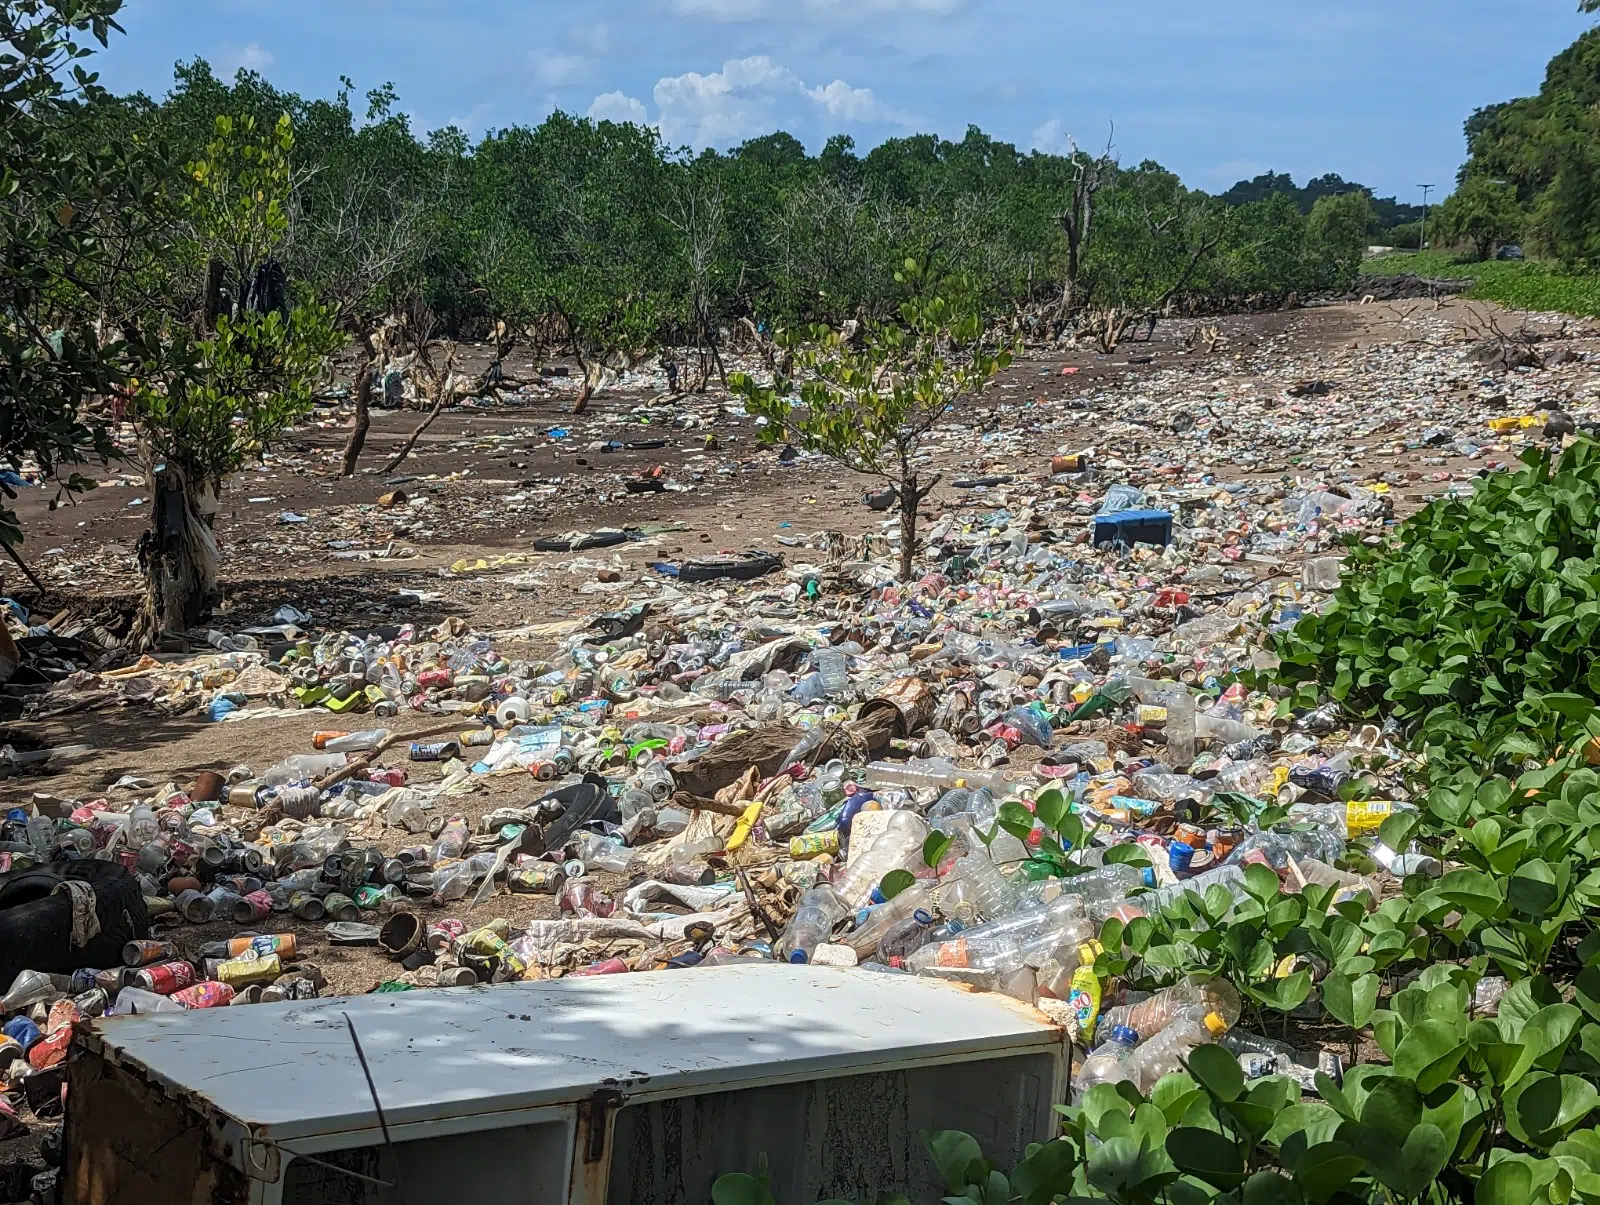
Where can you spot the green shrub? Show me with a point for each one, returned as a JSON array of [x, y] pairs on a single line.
[[1476, 621]]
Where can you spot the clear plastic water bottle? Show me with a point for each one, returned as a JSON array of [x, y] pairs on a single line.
[[1193, 996], [905, 937], [1164, 1053], [933, 773], [1111, 1063], [989, 891], [871, 929], [1230, 877], [898, 847], [834, 668], [303, 767], [812, 924], [356, 742], [1002, 952], [602, 853]]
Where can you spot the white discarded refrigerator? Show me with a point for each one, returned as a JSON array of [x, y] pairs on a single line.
[[617, 1089]]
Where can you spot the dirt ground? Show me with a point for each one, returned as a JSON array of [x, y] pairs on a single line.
[[487, 480]]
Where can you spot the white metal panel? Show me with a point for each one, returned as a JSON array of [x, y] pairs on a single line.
[[289, 1069]]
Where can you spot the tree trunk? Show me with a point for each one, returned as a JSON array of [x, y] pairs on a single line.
[[178, 553], [909, 498], [593, 376], [358, 437]]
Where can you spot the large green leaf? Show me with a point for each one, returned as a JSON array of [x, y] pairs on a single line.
[[1207, 1155], [1325, 1169], [1350, 1000], [1429, 1053], [1542, 1107], [957, 1156]]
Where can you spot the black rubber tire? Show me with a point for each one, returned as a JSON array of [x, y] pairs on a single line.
[[36, 934]]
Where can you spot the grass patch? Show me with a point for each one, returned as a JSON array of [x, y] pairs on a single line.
[[1524, 285]]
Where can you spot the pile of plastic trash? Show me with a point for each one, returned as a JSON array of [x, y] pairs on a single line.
[[809, 767]]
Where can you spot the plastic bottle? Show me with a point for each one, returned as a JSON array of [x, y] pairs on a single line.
[[905, 937], [132, 1000], [452, 841], [1258, 1056], [1099, 890], [834, 668], [602, 853], [356, 742], [1111, 1063], [812, 924], [870, 930], [989, 891], [454, 881], [1182, 732], [809, 742], [1164, 1053], [303, 767], [1002, 952], [1216, 730], [1190, 997], [934, 773], [898, 847], [1231, 877]]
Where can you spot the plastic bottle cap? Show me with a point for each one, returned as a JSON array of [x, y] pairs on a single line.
[[1149, 876], [799, 956], [922, 917], [1124, 1035], [1216, 1024]]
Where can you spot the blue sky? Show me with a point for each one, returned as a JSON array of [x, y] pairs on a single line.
[[1215, 90]]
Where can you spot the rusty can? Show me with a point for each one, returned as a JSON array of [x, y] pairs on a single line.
[[208, 787], [143, 951], [434, 750], [814, 845], [253, 907], [1074, 463], [164, 978], [541, 878], [241, 972], [306, 906]]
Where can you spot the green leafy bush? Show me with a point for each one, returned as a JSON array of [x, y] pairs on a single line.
[[1476, 622]]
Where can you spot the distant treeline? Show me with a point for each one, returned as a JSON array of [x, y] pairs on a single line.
[[601, 231]]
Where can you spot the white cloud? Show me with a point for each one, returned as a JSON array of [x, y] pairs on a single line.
[[746, 98], [556, 69], [1053, 138], [844, 103], [244, 58], [618, 107]]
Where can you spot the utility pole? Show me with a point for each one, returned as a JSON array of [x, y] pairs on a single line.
[[1422, 238]]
